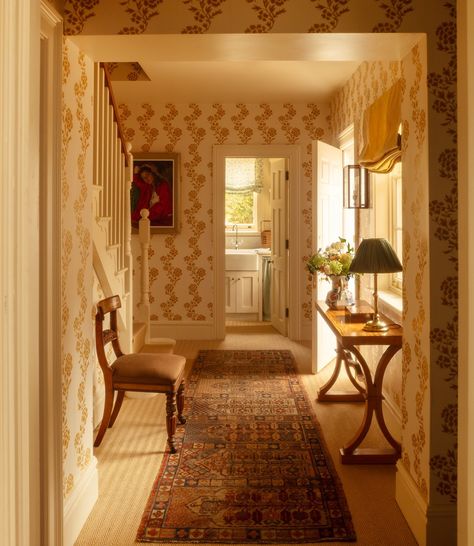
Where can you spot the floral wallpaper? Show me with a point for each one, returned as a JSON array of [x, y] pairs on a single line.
[[430, 353], [180, 284], [76, 263]]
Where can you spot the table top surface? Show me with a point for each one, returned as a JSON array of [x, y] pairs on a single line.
[[352, 333]]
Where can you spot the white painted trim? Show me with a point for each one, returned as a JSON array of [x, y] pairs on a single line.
[[50, 267], [20, 509], [306, 329], [411, 503], [79, 504], [465, 49], [393, 416], [433, 524], [182, 329], [293, 154]]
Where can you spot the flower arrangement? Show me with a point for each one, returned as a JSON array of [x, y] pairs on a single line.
[[334, 261]]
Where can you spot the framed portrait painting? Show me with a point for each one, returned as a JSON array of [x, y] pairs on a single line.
[[155, 187]]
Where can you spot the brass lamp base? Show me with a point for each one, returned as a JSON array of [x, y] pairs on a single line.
[[376, 325]]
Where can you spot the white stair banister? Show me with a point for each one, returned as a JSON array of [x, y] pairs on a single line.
[[113, 171], [144, 305]]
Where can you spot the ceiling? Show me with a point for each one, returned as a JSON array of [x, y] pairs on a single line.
[[248, 68]]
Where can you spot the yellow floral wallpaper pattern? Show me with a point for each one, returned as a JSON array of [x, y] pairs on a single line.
[[181, 286], [76, 281]]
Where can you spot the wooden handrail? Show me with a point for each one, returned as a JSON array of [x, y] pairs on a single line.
[[115, 110]]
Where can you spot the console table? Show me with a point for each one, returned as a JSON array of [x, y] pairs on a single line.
[[350, 335]]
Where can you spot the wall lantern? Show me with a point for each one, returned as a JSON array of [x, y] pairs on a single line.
[[356, 187]]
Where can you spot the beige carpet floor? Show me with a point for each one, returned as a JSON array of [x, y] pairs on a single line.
[[131, 453]]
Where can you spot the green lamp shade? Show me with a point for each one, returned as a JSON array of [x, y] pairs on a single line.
[[375, 256]]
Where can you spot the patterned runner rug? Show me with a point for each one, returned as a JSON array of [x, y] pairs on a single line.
[[251, 465]]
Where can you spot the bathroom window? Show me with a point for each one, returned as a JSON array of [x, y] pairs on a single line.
[[244, 180], [241, 209]]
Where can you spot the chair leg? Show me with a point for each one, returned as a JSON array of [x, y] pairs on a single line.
[[171, 419], [180, 403], [117, 406], [109, 400]]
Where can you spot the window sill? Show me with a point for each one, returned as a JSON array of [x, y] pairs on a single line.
[[391, 305]]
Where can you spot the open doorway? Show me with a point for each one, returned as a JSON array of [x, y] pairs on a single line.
[[255, 250], [256, 235]]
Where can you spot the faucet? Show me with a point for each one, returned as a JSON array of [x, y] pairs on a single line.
[[235, 228]]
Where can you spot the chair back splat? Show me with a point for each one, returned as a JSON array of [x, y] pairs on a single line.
[[139, 372]]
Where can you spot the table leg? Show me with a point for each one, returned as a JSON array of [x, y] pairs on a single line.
[[324, 396], [351, 453]]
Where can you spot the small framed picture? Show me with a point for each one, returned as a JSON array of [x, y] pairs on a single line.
[[155, 187]]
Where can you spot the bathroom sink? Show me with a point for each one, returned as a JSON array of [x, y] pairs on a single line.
[[242, 259]]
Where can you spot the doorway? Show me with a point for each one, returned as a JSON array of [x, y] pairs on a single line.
[[256, 228], [239, 292]]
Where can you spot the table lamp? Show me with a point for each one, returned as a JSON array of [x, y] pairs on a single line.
[[375, 256]]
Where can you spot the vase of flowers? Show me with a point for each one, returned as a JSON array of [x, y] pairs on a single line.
[[333, 264]]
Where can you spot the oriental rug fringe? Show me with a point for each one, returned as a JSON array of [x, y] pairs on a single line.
[[251, 465]]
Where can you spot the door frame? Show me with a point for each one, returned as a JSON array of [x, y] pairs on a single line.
[[50, 375], [292, 153]]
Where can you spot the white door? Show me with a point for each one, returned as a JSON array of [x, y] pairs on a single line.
[[279, 189], [327, 228]]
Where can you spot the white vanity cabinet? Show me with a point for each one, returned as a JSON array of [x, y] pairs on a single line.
[[241, 291]]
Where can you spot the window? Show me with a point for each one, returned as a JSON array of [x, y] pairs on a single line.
[[395, 224], [241, 209], [244, 181], [388, 210]]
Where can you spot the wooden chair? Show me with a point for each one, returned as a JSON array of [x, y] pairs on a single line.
[[139, 372]]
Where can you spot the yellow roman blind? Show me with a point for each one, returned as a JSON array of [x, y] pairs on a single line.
[[380, 139]]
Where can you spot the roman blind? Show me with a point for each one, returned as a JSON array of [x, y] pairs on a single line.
[[243, 174], [381, 142]]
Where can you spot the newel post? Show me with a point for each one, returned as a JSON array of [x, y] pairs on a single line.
[[144, 236]]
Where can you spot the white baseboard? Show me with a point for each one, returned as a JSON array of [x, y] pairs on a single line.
[[432, 525], [182, 329], [306, 330], [411, 503], [393, 417], [98, 410], [79, 504]]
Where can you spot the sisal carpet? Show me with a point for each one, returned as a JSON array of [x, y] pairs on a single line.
[[251, 465]]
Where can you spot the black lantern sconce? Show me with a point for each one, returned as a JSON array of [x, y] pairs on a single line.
[[356, 187]]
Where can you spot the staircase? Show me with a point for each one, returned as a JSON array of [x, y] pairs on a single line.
[[113, 162], [112, 255]]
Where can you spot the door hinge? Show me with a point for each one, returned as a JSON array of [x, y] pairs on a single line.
[[287, 244], [287, 312], [287, 175]]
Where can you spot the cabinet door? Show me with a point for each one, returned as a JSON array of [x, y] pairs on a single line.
[[229, 291], [246, 292]]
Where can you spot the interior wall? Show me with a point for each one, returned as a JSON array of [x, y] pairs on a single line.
[[438, 21], [181, 285], [77, 278], [410, 379]]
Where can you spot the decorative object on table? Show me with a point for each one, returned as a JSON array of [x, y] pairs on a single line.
[[375, 256], [252, 467], [333, 264], [356, 187], [360, 311]]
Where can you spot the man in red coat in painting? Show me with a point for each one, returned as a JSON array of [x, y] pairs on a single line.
[[151, 191]]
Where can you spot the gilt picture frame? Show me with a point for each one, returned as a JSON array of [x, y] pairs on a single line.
[[155, 186]]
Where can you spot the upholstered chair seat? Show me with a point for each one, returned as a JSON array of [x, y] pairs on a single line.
[[155, 369]]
